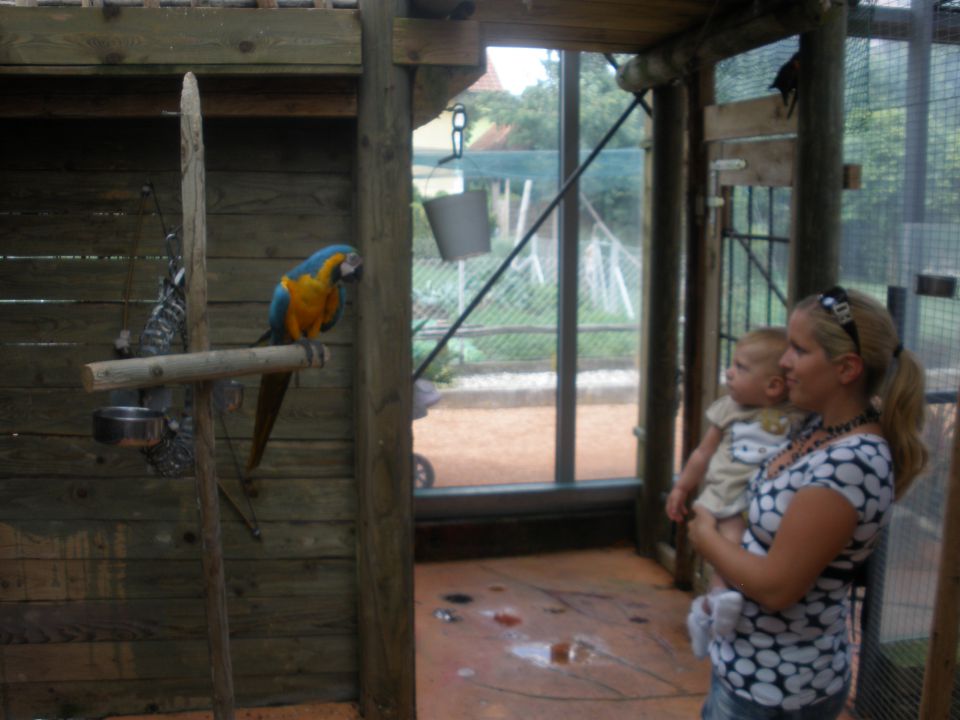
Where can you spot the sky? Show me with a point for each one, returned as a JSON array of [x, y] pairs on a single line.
[[517, 68]]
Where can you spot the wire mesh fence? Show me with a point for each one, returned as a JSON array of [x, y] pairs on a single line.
[[901, 237]]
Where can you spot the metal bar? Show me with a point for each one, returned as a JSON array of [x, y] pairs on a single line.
[[568, 257], [526, 238], [749, 249], [756, 261], [769, 256]]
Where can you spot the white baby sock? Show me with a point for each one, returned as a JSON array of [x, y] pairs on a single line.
[[725, 607], [699, 625]]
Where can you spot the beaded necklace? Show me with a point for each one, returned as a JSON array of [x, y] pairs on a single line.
[[831, 432]]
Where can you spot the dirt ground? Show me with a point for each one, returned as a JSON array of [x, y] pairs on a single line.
[[479, 446]]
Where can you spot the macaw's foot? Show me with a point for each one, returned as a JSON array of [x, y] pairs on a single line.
[[308, 346]]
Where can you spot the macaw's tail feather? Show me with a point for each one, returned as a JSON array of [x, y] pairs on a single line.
[[262, 339], [273, 386]]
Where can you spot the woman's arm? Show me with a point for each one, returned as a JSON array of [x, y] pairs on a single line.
[[816, 527]]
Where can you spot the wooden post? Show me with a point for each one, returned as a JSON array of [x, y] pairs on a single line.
[[700, 346], [664, 302], [193, 190], [815, 246], [938, 678], [384, 384]]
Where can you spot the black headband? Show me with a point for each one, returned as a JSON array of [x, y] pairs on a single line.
[[836, 302]]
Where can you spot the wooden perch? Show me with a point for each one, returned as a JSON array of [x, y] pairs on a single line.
[[197, 366], [757, 25]]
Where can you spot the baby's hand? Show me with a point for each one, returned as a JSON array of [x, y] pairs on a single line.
[[677, 504]]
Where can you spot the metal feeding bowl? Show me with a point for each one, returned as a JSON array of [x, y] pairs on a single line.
[[127, 426]]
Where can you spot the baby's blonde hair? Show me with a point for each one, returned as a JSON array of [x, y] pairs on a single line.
[[766, 346]]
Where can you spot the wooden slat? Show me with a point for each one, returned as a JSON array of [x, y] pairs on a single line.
[[96, 662], [757, 117], [159, 37], [154, 498], [656, 18], [216, 106], [98, 323], [90, 579], [240, 192], [436, 42], [81, 456], [307, 413], [167, 540], [293, 237], [31, 700], [769, 163], [105, 280], [152, 145], [587, 39], [166, 619]]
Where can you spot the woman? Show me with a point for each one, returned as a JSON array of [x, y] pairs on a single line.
[[816, 512]]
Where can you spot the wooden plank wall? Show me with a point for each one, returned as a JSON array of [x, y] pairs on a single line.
[[100, 577]]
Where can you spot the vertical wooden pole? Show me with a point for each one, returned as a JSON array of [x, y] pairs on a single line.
[[939, 676], [664, 300], [700, 344], [384, 385], [193, 189], [815, 246]]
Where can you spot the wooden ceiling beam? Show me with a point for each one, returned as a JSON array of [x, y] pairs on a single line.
[[436, 42], [751, 27]]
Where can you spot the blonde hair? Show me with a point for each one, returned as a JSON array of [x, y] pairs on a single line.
[[900, 388], [766, 345]]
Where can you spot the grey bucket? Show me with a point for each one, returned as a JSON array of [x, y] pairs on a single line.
[[460, 224]]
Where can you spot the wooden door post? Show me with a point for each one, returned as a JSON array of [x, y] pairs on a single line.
[[384, 384], [193, 189], [664, 303]]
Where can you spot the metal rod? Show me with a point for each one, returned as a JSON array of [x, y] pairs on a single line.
[[637, 100]]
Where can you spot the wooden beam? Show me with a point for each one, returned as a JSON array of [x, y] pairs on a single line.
[[769, 163], [436, 42], [384, 386], [145, 106], [193, 193], [157, 40], [748, 118], [664, 299], [197, 366], [434, 87], [700, 343], [939, 676], [755, 25], [817, 194]]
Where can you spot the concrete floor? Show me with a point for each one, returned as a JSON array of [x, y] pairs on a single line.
[[595, 635]]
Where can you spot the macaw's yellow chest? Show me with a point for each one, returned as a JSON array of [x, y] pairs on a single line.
[[312, 303]]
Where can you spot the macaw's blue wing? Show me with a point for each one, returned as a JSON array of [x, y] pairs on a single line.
[[273, 386], [278, 314]]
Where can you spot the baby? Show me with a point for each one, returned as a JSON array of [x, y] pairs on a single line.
[[747, 426]]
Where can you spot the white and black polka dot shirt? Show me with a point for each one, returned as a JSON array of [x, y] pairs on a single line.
[[800, 656]]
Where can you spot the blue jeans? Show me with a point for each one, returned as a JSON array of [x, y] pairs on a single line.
[[723, 704]]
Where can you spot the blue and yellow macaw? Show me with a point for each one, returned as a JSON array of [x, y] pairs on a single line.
[[308, 300]]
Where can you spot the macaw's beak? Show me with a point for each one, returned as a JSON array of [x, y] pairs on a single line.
[[351, 269]]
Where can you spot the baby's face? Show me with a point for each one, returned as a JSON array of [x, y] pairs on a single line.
[[748, 378]]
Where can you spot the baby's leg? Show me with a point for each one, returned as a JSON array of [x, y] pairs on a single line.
[[726, 604]]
